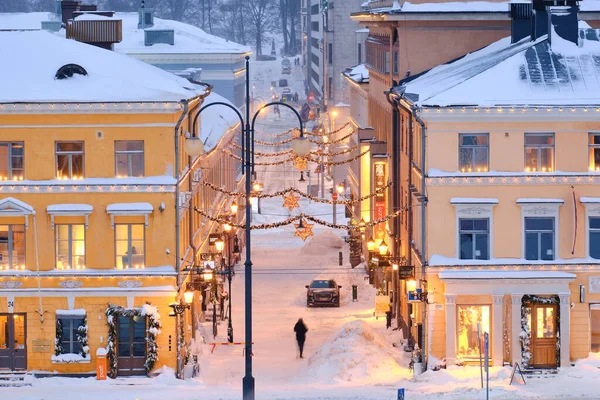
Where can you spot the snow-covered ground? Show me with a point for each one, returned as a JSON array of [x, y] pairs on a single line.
[[348, 355]]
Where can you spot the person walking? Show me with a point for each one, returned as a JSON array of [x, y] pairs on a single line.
[[300, 329]]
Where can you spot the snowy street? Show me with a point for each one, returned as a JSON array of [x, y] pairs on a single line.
[[348, 355]]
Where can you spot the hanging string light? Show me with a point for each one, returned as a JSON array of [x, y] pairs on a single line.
[[301, 193]]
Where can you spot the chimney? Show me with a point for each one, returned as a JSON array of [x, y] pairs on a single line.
[[520, 16], [564, 21], [145, 17], [540, 21], [67, 8]]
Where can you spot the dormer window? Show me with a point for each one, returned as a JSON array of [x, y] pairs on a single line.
[[67, 71]]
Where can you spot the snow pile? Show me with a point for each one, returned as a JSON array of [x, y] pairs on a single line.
[[357, 353], [165, 375], [70, 358], [322, 244]]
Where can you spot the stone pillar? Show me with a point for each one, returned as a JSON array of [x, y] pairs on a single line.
[[517, 302], [497, 333], [450, 328], [565, 330]]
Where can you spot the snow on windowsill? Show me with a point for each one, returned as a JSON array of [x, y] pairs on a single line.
[[80, 312], [166, 270], [57, 208], [533, 200], [70, 359], [437, 260], [589, 199], [148, 180], [438, 173], [487, 274], [122, 207]]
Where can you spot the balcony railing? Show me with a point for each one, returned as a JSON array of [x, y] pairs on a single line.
[[90, 31]]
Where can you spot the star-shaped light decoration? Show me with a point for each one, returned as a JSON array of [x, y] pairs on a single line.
[[304, 230], [290, 201], [300, 163]]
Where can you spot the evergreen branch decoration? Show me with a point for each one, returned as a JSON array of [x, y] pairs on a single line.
[[82, 338], [58, 347], [153, 330]]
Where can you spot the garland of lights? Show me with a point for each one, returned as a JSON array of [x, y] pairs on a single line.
[[290, 220], [338, 162], [284, 152], [301, 193], [331, 141]]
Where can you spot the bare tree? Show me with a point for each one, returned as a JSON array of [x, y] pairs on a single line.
[[283, 13], [294, 11], [263, 20]]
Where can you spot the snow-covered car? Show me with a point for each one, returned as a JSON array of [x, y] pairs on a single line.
[[323, 292]]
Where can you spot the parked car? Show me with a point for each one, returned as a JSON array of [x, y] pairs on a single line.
[[323, 292], [283, 82], [286, 69], [286, 94]]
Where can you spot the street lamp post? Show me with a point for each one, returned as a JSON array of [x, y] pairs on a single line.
[[301, 147]]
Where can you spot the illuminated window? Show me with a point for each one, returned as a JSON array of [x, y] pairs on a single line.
[[70, 246], [539, 152], [12, 246], [546, 322], [473, 152], [474, 239], [594, 145], [129, 158], [539, 238], [11, 160], [130, 246], [69, 160], [468, 318]]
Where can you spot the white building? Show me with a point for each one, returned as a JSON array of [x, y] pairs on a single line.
[[171, 45]]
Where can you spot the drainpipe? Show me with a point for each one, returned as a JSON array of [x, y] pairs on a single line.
[[392, 99], [423, 281]]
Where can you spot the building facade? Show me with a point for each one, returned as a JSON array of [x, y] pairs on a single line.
[[94, 224], [326, 52], [509, 242]]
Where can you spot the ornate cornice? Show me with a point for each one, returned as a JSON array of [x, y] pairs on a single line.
[[68, 187], [70, 284], [130, 284], [594, 284], [512, 180], [90, 108], [11, 284]]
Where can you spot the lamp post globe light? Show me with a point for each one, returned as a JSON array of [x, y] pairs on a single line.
[[194, 146], [301, 147]]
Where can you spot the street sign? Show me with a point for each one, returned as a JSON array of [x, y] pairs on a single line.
[[405, 272], [401, 394]]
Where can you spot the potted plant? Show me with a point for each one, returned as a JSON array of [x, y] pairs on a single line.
[[416, 361]]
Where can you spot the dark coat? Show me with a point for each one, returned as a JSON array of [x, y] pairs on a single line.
[[300, 330]]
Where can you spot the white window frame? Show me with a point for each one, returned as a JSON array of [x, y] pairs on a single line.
[[474, 208], [541, 208], [592, 209]]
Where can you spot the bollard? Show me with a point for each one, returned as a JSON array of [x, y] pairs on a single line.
[[354, 293], [101, 364]]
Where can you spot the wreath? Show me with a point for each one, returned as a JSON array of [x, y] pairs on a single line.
[[152, 331]]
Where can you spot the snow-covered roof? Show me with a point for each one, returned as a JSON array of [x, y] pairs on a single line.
[[359, 73], [216, 121], [526, 73], [473, 200], [28, 74], [188, 38], [492, 274]]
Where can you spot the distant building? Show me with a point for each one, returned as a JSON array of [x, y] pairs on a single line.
[[331, 42]]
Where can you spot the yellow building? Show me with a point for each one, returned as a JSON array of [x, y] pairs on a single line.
[[94, 205], [503, 169]]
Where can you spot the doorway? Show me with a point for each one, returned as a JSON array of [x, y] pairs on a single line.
[[131, 345], [13, 341], [544, 329], [595, 328]]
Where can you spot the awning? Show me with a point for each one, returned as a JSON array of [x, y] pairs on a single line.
[[11, 207], [129, 209], [69, 210]]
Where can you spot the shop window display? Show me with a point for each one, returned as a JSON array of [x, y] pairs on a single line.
[[468, 317]]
